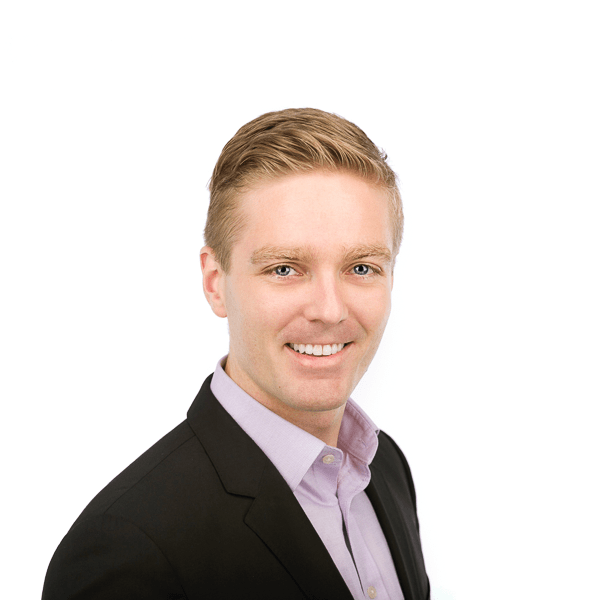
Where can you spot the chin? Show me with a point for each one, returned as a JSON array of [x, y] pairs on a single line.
[[318, 398]]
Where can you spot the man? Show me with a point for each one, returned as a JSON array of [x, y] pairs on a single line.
[[277, 486]]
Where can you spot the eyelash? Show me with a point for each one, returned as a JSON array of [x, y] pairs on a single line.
[[274, 271], [373, 271]]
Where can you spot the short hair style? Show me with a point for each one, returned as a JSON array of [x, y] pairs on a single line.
[[288, 142]]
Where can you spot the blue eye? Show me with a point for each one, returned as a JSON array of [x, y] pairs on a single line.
[[362, 270], [283, 270]]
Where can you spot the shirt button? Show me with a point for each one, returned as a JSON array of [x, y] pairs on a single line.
[[372, 592], [328, 459]]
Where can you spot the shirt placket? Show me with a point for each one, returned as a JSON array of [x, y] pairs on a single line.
[[332, 461]]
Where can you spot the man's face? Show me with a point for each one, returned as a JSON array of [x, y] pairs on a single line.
[[313, 267]]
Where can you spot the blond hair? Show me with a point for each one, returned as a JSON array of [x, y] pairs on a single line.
[[286, 142]]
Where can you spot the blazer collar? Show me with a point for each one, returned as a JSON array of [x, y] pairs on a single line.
[[275, 515], [403, 540]]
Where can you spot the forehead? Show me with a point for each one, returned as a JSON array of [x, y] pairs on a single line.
[[318, 211]]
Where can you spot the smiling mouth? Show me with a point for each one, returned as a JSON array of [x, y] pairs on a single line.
[[317, 349]]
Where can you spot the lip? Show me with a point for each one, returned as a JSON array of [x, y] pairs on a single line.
[[315, 362]]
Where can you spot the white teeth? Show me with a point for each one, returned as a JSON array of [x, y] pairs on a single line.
[[317, 349]]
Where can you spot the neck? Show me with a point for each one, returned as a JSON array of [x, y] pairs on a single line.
[[323, 423]]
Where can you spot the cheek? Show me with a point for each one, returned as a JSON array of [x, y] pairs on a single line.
[[255, 312], [374, 311]]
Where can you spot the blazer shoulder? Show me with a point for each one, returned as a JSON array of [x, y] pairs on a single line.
[[172, 443], [107, 557], [391, 459]]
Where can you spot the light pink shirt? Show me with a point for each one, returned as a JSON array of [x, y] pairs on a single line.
[[328, 483]]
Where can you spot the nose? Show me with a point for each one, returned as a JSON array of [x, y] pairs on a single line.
[[325, 300]]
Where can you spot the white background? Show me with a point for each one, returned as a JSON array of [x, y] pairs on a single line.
[[112, 117]]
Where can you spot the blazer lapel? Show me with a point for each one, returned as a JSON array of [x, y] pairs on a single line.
[[278, 519], [400, 530], [275, 515]]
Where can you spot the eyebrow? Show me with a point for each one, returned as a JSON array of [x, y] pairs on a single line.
[[304, 255], [361, 251]]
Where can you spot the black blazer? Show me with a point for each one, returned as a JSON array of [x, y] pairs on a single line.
[[205, 514]]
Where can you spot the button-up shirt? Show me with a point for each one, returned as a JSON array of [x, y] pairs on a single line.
[[329, 483]]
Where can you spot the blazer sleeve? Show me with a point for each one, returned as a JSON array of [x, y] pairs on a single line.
[[107, 557]]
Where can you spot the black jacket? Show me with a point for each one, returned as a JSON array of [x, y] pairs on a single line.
[[205, 514]]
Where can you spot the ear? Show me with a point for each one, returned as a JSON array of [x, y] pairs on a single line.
[[213, 281]]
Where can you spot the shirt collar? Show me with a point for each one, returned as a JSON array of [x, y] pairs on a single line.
[[291, 449]]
